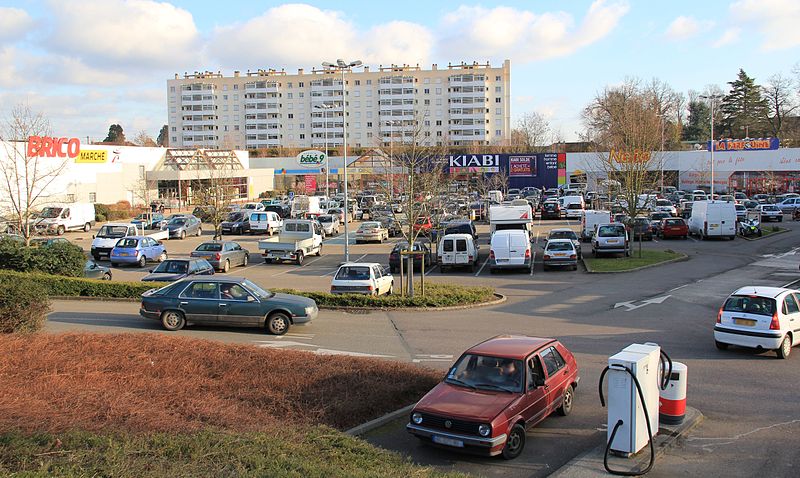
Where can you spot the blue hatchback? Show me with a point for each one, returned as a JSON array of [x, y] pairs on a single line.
[[137, 250]]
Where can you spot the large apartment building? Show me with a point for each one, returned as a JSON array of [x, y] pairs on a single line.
[[459, 105]]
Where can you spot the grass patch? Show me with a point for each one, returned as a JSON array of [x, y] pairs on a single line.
[[309, 451], [622, 264], [767, 230], [436, 294]]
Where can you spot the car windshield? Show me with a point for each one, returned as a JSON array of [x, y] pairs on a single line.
[[487, 373], [563, 235], [326, 219], [770, 208], [50, 212], [172, 267], [371, 225], [112, 231], [353, 273], [611, 231], [257, 290], [178, 221], [209, 247], [659, 216], [674, 222], [750, 305], [234, 216], [128, 243], [559, 246]]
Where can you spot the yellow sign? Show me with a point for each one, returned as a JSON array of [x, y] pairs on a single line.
[[92, 156]]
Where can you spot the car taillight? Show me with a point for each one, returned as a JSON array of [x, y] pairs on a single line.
[[369, 287], [573, 256], [217, 256], [774, 324], [469, 258], [546, 257], [491, 254], [719, 316], [527, 253]]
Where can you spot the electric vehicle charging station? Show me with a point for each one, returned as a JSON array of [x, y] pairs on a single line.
[[635, 377]]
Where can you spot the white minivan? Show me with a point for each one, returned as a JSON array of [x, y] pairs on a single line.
[[59, 218], [510, 249], [713, 219], [574, 205], [265, 221], [458, 250]]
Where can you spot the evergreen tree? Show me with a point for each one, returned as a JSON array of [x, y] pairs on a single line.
[[698, 127], [743, 109], [163, 137], [115, 135]]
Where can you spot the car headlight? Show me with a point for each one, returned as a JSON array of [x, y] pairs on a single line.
[[484, 430], [311, 309], [416, 417]]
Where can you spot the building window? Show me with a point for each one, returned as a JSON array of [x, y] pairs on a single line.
[[358, 82], [173, 109], [369, 134], [427, 133], [498, 133], [92, 197], [174, 139], [235, 87], [438, 81], [301, 94], [300, 84], [426, 81], [357, 93], [438, 102], [497, 78], [438, 133], [224, 87], [225, 97], [174, 128], [225, 128], [438, 91], [302, 126], [498, 100], [290, 115], [236, 97], [289, 95], [369, 82], [236, 127], [70, 198], [302, 136], [427, 91], [289, 84], [427, 122], [427, 102], [235, 107], [498, 89], [172, 89], [498, 111], [224, 107], [369, 124], [438, 122]]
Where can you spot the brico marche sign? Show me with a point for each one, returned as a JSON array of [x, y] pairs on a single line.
[[51, 147], [311, 159]]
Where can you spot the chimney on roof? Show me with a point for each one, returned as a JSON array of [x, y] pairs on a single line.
[[299, 71], [366, 69], [434, 67], [236, 73]]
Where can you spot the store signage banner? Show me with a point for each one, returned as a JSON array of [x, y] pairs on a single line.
[[92, 156], [474, 163], [745, 144], [49, 147], [311, 159], [522, 166]]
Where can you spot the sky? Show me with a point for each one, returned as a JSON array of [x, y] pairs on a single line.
[[87, 64]]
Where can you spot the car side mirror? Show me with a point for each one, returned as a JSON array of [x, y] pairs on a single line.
[[536, 383], [150, 271], [92, 236]]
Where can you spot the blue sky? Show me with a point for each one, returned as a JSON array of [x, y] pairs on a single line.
[[107, 61]]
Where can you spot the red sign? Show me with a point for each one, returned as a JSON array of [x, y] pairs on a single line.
[[311, 184], [45, 146], [521, 165]]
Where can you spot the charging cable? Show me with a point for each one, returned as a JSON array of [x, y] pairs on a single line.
[[620, 422]]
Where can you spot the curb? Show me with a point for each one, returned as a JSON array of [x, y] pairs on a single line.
[[772, 234], [378, 422], [499, 299], [681, 258], [590, 463]]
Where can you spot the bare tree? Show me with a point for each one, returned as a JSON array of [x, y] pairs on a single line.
[[144, 139], [216, 186], [627, 121], [781, 102], [27, 180], [532, 132]]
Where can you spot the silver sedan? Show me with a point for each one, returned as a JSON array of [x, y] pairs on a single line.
[[222, 255]]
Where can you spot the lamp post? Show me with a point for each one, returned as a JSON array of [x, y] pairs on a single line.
[[662, 116], [712, 99], [324, 107], [391, 123], [343, 66]]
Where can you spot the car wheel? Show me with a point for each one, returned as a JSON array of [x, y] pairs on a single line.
[[278, 323], [785, 348], [245, 260], [441, 269], [60, 231], [173, 320], [199, 232], [162, 257], [142, 261], [319, 251], [391, 289], [299, 259], [107, 276], [780, 219], [87, 227], [515, 442], [113, 264], [566, 404], [267, 261], [183, 235], [721, 345], [227, 266]]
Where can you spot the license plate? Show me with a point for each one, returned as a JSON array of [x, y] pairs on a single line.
[[747, 322], [612, 241], [561, 255], [501, 260], [123, 254], [448, 441], [713, 225]]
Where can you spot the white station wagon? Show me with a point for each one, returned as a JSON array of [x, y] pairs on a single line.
[[366, 278], [764, 318]]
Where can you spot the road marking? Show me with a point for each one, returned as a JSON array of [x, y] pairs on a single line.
[[790, 283], [292, 335], [482, 266], [432, 358], [318, 350], [533, 261], [719, 441], [692, 238], [629, 305], [679, 287], [305, 264]]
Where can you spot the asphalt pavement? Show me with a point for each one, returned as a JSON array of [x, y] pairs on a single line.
[[748, 398]]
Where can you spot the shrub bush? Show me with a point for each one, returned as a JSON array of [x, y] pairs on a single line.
[[80, 287], [60, 259], [24, 305]]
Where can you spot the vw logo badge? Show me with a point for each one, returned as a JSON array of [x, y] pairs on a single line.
[[448, 424]]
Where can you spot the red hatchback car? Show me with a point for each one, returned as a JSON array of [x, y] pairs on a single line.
[[494, 392], [673, 227]]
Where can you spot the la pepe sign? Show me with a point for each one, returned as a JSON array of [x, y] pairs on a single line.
[[311, 158]]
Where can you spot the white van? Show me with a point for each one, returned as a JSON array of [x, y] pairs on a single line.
[[496, 196], [59, 218], [713, 219], [510, 249], [265, 221], [574, 205], [590, 219], [458, 250]]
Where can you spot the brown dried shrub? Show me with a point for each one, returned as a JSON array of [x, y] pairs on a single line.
[[151, 382]]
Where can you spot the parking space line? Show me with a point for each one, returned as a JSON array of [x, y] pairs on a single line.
[[533, 261], [306, 264], [692, 238], [482, 266]]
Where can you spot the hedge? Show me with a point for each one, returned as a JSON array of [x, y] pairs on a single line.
[[60, 258], [24, 305], [436, 295]]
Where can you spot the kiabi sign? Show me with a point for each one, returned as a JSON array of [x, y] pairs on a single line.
[[474, 163], [311, 159]]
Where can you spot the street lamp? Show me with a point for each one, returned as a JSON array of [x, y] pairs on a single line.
[[662, 116], [712, 99], [343, 66], [391, 123], [324, 107]]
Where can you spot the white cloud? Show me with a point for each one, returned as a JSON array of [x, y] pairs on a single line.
[[130, 33], [683, 28], [14, 23], [777, 20], [504, 32], [729, 36], [294, 35], [10, 76]]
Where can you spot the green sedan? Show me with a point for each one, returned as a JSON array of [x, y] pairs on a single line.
[[225, 301]]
